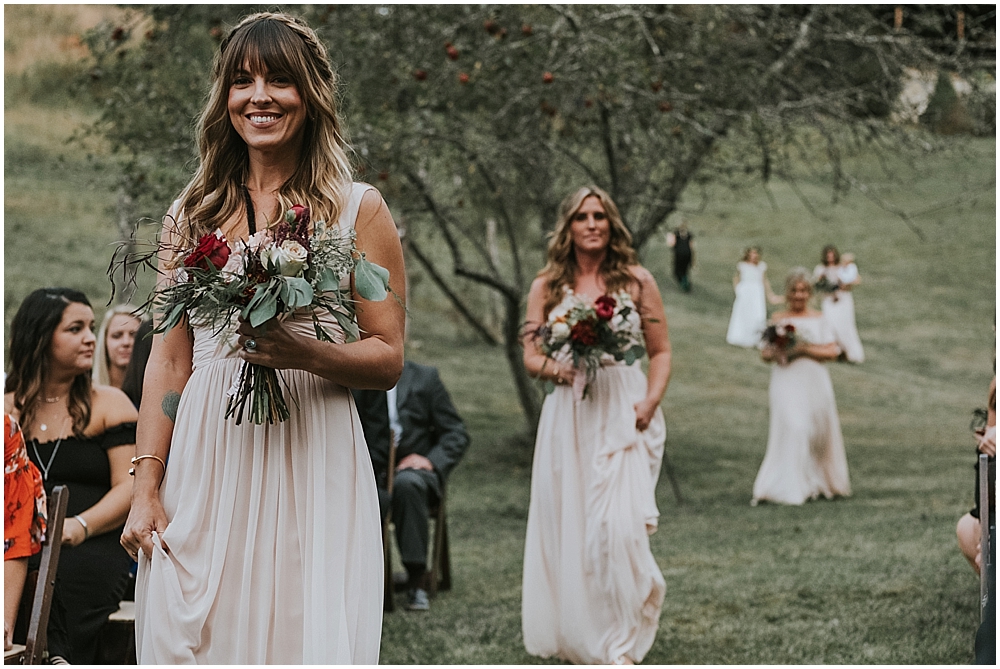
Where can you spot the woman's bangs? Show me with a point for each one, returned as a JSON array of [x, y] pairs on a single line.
[[265, 46]]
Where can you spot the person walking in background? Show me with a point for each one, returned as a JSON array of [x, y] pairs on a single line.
[[80, 435], [753, 292], [261, 543], [430, 439], [592, 591], [681, 241], [805, 448], [115, 340], [837, 277], [24, 521]]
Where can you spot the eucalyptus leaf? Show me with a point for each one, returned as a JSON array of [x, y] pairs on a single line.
[[549, 387], [347, 324], [295, 292], [371, 280], [327, 281]]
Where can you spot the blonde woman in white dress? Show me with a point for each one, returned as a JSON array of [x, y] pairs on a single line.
[[753, 292], [260, 544], [805, 456], [838, 305], [592, 591]]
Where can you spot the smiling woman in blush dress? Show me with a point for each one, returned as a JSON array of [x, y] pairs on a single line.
[[260, 544]]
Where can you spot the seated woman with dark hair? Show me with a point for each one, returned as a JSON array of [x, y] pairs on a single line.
[[82, 436]]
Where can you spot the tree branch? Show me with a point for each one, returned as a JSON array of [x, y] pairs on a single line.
[[609, 149], [455, 300], [867, 192]]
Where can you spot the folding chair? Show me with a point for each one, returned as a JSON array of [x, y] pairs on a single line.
[[39, 585], [440, 572]]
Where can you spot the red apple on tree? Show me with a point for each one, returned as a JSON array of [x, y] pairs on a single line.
[[420, 75], [548, 78], [526, 29], [463, 78]]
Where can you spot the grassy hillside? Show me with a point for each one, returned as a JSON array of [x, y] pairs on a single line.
[[876, 578]]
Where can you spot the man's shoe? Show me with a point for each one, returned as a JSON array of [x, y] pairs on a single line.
[[418, 600]]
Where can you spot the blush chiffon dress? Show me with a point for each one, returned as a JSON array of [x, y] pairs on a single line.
[[273, 551]]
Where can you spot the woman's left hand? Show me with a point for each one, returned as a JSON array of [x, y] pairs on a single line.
[[270, 345], [644, 411]]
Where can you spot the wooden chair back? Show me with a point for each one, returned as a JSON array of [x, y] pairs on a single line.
[[34, 648]]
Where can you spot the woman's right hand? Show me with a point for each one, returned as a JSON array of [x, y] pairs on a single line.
[[563, 374], [145, 517]]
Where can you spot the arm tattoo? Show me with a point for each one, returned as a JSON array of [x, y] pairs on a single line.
[[169, 404]]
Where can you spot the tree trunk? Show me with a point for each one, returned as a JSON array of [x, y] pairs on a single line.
[[124, 283], [527, 388]]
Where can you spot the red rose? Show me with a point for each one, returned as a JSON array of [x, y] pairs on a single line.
[[300, 212], [584, 333], [605, 307], [790, 329], [211, 249]]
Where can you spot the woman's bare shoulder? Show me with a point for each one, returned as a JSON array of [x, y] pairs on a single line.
[[8, 404], [110, 406]]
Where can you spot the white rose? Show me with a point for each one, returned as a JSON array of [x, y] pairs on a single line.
[[258, 240], [289, 258], [234, 266], [560, 330]]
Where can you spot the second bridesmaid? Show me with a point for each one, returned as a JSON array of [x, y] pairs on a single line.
[[592, 589]]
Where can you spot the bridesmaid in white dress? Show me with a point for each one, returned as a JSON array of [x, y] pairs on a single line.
[[805, 448], [753, 292], [260, 544], [838, 305], [592, 591]]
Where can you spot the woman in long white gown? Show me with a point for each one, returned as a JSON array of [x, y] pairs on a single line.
[[805, 455], [592, 591], [753, 292], [838, 304], [261, 543]]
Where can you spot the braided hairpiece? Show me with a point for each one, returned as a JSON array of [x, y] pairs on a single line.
[[298, 27]]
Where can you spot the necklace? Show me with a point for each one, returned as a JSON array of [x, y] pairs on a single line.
[[45, 467], [51, 400]]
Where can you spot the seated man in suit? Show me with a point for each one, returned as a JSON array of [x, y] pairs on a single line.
[[430, 440]]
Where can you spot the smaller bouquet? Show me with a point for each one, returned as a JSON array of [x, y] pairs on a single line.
[[782, 337], [610, 329], [273, 274], [823, 285]]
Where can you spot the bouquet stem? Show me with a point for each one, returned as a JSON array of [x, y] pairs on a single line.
[[261, 387]]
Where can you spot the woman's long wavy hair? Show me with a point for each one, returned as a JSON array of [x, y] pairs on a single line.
[[836, 255], [101, 374], [560, 270], [275, 43], [31, 356]]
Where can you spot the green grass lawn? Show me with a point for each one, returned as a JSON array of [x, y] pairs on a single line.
[[876, 578]]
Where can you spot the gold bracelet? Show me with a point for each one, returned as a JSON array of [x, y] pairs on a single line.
[[83, 524], [136, 459]]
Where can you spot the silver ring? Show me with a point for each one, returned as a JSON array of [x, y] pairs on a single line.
[[250, 344]]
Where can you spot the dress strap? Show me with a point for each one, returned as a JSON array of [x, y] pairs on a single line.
[[251, 214], [348, 217]]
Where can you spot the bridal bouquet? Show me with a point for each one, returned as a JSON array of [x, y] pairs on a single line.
[[782, 337], [274, 273], [611, 327]]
